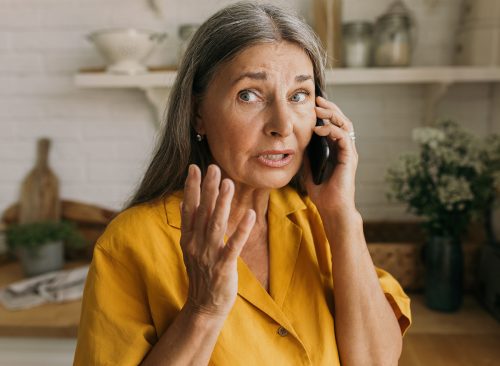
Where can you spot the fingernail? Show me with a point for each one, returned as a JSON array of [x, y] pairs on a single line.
[[213, 173], [250, 216], [225, 186], [190, 169]]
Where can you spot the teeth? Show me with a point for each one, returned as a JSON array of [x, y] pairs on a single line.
[[274, 156]]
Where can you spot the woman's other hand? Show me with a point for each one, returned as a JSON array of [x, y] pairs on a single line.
[[336, 194], [211, 265]]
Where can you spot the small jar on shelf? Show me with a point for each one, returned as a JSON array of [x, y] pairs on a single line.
[[357, 43], [393, 37]]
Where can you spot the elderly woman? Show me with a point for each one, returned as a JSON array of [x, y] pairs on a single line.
[[229, 254]]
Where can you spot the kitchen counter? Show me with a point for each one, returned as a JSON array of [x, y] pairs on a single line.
[[46, 335], [48, 320]]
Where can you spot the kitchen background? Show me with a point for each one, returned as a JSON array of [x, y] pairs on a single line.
[[102, 139]]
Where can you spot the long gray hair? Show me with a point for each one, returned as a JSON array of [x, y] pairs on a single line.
[[219, 39]]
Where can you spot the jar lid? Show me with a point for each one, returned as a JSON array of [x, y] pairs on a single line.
[[396, 9], [359, 26]]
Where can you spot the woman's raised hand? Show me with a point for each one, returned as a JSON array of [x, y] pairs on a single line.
[[211, 265]]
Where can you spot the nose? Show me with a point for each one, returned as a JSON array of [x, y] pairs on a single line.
[[280, 121]]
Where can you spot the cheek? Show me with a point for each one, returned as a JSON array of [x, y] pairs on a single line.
[[228, 139], [304, 130]]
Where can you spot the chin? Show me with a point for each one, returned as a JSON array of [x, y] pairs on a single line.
[[273, 180]]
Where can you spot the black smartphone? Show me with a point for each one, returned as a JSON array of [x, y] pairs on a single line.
[[318, 152]]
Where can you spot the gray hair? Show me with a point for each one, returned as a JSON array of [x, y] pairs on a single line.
[[218, 40]]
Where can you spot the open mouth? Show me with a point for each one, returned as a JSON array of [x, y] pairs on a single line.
[[275, 157], [275, 160]]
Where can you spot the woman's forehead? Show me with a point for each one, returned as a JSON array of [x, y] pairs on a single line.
[[264, 61]]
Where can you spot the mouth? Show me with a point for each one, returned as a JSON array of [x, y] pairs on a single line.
[[276, 159]]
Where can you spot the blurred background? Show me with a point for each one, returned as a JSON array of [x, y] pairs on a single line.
[[84, 86]]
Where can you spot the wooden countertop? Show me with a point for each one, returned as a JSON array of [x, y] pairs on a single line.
[[48, 320]]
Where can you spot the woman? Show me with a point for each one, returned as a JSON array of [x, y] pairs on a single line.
[[228, 252]]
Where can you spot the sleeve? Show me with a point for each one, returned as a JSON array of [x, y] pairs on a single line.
[[115, 324], [397, 298]]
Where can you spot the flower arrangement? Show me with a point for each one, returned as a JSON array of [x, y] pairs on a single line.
[[453, 178]]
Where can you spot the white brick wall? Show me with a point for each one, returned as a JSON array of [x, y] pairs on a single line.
[[102, 139]]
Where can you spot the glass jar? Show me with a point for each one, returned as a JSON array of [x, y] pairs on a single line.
[[186, 32], [392, 40], [357, 44]]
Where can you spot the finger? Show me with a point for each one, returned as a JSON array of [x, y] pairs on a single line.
[[338, 134], [239, 238], [191, 198], [334, 117], [209, 193], [326, 104], [217, 223]]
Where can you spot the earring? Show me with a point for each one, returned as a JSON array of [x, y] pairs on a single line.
[[199, 137]]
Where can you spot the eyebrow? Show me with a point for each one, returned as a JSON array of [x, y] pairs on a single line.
[[263, 76]]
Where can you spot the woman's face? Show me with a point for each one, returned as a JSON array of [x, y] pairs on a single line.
[[258, 114]]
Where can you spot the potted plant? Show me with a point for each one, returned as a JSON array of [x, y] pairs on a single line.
[[40, 245], [489, 185], [446, 184]]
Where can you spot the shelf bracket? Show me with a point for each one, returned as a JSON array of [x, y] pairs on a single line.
[[434, 93], [157, 97]]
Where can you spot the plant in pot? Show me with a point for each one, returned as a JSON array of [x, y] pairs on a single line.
[[443, 183], [40, 245], [488, 186]]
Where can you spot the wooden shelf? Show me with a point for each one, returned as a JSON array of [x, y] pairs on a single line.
[[414, 75], [157, 84], [408, 75]]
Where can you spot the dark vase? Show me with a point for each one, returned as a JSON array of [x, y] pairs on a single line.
[[488, 225], [443, 273]]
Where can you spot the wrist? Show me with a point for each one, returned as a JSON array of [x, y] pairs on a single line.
[[342, 223], [200, 313], [343, 214]]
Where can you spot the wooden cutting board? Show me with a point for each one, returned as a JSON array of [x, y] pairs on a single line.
[[39, 197]]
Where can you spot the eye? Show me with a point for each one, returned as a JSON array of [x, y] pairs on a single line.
[[299, 96], [247, 96]]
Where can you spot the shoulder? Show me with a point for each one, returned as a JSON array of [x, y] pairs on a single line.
[[140, 230]]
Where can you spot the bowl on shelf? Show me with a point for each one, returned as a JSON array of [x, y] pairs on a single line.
[[125, 49]]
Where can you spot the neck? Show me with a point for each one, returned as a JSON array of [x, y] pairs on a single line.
[[246, 198]]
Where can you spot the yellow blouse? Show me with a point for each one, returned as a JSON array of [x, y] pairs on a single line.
[[137, 283]]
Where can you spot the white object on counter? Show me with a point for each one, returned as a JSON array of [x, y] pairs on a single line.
[[52, 287]]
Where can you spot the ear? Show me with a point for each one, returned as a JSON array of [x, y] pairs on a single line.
[[199, 125]]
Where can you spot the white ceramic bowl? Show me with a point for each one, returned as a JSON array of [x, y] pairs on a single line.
[[125, 49]]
